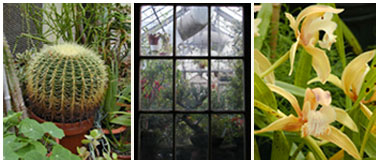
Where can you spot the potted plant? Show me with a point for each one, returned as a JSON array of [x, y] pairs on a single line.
[[65, 85], [115, 115], [153, 41]]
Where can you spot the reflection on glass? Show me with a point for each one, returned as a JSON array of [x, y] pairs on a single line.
[[227, 31], [228, 137], [155, 137], [192, 85], [191, 31], [156, 30], [191, 137], [156, 84], [227, 85]]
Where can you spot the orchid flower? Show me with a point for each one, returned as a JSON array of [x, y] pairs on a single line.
[[311, 121], [352, 80], [261, 64], [314, 19]]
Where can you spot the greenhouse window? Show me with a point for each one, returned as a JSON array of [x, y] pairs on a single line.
[[193, 78]]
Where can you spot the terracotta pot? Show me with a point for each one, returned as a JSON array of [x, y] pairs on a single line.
[[124, 157], [114, 131], [74, 132], [118, 131]]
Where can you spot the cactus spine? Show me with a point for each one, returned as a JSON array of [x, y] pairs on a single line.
[[65, 83]]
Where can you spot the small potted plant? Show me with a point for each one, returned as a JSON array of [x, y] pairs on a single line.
[[153, 41], [65, 85]]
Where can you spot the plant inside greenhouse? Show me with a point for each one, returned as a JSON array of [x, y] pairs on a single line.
[[67, 91], [314, 82], [192, 77]]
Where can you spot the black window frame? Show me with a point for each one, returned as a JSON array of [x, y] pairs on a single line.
[[245, 58]]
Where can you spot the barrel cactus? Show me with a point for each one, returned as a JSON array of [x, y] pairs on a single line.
[[65, 83]]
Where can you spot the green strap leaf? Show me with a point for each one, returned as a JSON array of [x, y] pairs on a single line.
[[257, 156], [350, 38], [280, 147], [263, 93], [265, 15], [295, 90], [303, 69]]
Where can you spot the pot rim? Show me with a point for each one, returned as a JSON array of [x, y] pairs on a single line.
[[69, 129]]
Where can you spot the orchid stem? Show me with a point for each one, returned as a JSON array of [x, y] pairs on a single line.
[[367, 133], [311, 143], [275, 65]]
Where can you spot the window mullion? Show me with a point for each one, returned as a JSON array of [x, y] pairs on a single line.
[[209, 87], [174, 85]]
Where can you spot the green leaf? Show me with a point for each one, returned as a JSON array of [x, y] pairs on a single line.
[[39, 147], [265, 15], [34, 155], [9, 154], [280, 147], [123, 120], [53, 130], [291, 88], [31, 129], [263, 93], [370, 149], [350, 38], [303, 69], [61, 153], [257, 156]]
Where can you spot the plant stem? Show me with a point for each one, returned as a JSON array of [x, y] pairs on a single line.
[[368, 129], [311, 143], [276, 64]]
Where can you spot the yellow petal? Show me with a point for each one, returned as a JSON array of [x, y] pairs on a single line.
[[311, 99], [257, 21], [293, 23], [366, 111], [344, 118], [373, 130], [320, 62], [315, 23], [331, 78], [354, 73], [257, 8], [338, 156], [292, 99], [288, 123], [341, 140], [316, 9], [292, 55], [263, 64]]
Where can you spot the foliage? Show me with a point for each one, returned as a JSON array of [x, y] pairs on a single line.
[[28, 140], [92, 141], [268, 145]]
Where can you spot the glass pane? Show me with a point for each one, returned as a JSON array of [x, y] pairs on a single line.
[[155, 136], [191, 31], [192, 85], [227, 31], [191, 137], [228, 138], [156, 84], [227, 85], [156, 30]]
